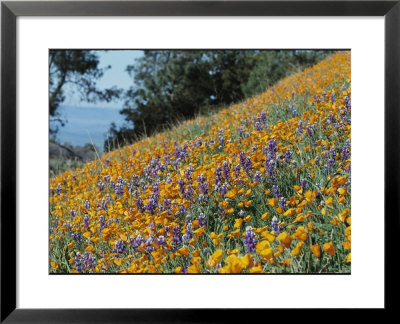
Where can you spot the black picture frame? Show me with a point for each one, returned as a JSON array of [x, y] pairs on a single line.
[[10, 10]]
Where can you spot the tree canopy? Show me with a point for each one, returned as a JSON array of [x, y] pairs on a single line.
[[80, 69]]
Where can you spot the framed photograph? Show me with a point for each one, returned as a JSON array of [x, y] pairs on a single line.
[[177, 155]]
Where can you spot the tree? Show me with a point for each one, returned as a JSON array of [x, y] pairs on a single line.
[[80, 69]]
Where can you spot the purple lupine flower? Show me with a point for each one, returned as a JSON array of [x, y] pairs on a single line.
[[223, 190], [84, 263], [119, 246], [136, 242], [139, 204], [77, 237], [156, 191], [258, 177], [86, 220], [294, 164], [149, 244], [119, 188], [282, 202], [189, 192], [309, 131], [188, 219], [202, 219], [275, 190], [332, 153], [331, 162], [189, 230], [166, 229], [161, 241], [221, 141], [303, 183], [86, 204], [143, 184], [188, 173], [181, 184], [101, 186], [201, 178], [271, 168], [218, 175], [245, 162], [345, 151], [104, 203], [168, 179], [102, 221], [241, 132], [68, 226], [152, 205], [186, 238], [77, 262], [226, 170], [236, 171], [73, 213], [293, 110], [275, 225], [241, 214], [204, 187], [288, 156], [59, 188], [176, 239], [167, 204], [221, 136], [272, 146], [264, 116], [250, 240], [181, 211], [331, 119]]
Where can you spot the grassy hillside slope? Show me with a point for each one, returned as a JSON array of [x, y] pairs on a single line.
[[262, 186]]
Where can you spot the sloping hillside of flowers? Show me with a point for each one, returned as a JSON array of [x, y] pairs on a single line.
[[262, 186]]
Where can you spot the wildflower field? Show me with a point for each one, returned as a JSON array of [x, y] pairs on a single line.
[[262, 186]]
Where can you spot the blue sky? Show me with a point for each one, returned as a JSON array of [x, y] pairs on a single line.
[[94, 119], [116, 76]]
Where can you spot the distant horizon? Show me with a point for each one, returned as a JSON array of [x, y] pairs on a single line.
[[90, 107], [82, 117], [85, 119]]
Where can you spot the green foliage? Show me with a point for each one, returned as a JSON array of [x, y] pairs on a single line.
[[80, 69], [272, 66]]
